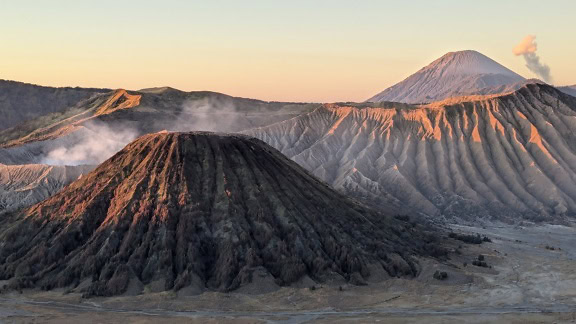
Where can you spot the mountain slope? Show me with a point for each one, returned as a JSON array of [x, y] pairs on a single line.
[[454, 74], [508, 157], [20, 102], [202, 211], [25, 185]]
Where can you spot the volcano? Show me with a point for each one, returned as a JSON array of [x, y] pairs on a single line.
[[454, 74], [201, 211]]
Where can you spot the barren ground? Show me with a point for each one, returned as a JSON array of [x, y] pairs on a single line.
[[527, 283]]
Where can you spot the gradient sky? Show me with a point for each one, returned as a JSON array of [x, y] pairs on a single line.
[[272, 50]]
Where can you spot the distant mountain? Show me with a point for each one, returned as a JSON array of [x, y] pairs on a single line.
[[454, 74], [571, 90], [20, 102], [201, 211], [506, 157]]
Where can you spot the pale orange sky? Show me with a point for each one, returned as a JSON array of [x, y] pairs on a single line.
[[297, 51]]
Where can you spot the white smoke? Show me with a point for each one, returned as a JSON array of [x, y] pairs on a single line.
[[527, 48], [96, 141], [92, 145], [207, 114]]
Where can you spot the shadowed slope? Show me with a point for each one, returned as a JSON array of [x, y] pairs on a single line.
[[508, 157], [21, 102], [200, 210]]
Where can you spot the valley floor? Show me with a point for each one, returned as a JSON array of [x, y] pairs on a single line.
[[528, 283]]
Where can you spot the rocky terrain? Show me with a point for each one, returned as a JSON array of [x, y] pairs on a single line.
[[25, 185], [20, 102], [454, 74], [190, 212], [505, 157]]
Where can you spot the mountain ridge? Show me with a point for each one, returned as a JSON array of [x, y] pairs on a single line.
[[505, 157]]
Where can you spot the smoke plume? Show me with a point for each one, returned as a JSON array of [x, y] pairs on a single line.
[[207, 114], [210, 113], [93, 144], [97, 141], [528, 48]]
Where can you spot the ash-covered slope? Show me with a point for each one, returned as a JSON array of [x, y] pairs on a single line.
[[508, 157], [20, 102], [202, 211], [454, 74], [25, 185]]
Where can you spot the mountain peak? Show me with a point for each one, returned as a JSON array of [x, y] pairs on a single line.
[[454, 74], [468, 62]]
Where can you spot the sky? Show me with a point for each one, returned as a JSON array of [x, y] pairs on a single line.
[[321, 51]]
